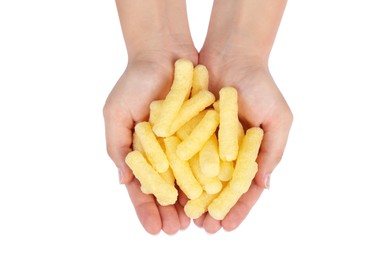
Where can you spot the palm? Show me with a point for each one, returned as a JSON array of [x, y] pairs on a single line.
[[127, 104], [260, 104]]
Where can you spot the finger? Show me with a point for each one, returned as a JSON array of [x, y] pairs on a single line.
[[118, 141], [272, 148], [182, 197], [239, 212], [145, 207], [211, 225], [199, 221], [185, 221], [169, 218]]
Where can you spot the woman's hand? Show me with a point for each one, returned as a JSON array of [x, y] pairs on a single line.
[[260, 104]]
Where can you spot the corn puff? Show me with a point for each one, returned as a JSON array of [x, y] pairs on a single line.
[[200, 80], [181, 170], [154, 108], [187, 128], [209, 157], [191, 108], [226, 171], [137, 146], [244, 172], [180, 90], [168, 174], [228, 131], [199, 136], [196, 207], [151, 181], [211, 185], [152, 148], [246, 166], [216, 106]]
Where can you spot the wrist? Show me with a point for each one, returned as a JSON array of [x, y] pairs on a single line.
[[161, 49], [153, 27], [244, 27]]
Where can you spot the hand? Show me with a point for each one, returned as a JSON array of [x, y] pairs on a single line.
[[146, 78], [260, 104]]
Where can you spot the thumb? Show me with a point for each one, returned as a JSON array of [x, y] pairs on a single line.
[[118, 142], [271, 149]]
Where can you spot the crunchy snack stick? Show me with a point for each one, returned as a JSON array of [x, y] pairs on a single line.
[[209, 157], [180, 90], [187, 128], [211, 185], [151, 181], [200, 80], [199, 136], [137, 144], [226, 171], [154, 107], [168, 174], [228, 131], [196, 207], [246, 166], [191, 108], [216, 106], [240, 129], [152, 148], [244, 172], [181, 170]]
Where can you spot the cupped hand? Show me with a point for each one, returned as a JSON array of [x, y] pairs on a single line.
[[147, 77], [260, 104]]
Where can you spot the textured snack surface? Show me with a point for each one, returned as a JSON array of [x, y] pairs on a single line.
[[180, 90], [197, 144], [228, 128], [151, 181]]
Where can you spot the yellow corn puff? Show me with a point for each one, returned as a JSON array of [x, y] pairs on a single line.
[[226, 171], [137, 146], [244, 172], [187, 128], [216, 106], [211, 185], [209, 157], [200, 79], [229, 196], [191, 108], [221, 205], [196, 207], [154, 107], [181, 170], [168, 176], [246, 166], [152, 148], [240, 130], [151, 181], [199, 136], [241, 182], [227, 134], [180, 89]]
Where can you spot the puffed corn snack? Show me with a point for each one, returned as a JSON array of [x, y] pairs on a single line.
[[195, 142]]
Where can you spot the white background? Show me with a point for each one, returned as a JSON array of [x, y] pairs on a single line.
[[59, 191]]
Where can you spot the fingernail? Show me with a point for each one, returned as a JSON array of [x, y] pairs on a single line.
[[267, 180], [120, 174]]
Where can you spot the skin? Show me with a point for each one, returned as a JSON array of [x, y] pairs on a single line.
[[152, 50], [236, 51]]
